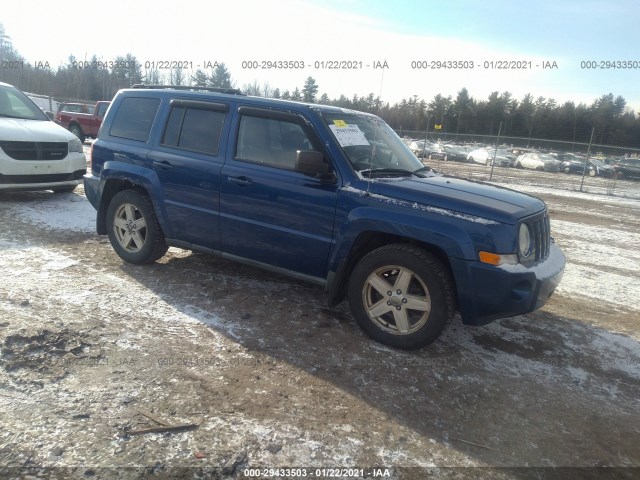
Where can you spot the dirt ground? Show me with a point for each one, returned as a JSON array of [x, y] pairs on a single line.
[[255, 372]]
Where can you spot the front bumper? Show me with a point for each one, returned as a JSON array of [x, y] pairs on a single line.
[[486, 292], [91, 189]]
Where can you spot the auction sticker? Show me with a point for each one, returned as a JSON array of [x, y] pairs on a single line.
[[348, 135]]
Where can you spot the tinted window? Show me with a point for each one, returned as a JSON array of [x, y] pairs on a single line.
[[134, 118], [194, 129], [102, 109], [270, 141]]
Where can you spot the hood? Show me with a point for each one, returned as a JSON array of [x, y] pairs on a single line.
[[464, 196], [19, 130]]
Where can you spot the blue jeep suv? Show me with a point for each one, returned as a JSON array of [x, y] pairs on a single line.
[[328, 195]]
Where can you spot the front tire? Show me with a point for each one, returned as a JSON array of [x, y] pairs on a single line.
[[133, 228], [401, 296]]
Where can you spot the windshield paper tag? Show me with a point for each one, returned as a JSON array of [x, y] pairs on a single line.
[[349, 135]]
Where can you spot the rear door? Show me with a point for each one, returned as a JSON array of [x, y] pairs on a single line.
[[269, 212], [188, 161]]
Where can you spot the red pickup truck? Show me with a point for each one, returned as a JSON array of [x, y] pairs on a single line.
[[81, 119]]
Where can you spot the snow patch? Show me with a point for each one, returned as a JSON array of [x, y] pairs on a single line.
[[59, 213]]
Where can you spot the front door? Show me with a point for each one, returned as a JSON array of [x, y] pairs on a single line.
[[269, 212]]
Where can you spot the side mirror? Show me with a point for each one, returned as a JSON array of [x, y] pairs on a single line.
[[50, 114], [311, 162]]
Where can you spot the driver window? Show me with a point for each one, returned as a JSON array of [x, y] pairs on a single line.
[[270, 141]]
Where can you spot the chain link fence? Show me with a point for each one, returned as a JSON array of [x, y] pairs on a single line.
[[576, 166]]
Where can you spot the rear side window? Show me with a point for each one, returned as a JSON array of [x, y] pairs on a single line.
[[134, 118], [194, 129]]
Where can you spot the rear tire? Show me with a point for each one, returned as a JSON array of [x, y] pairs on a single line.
[[133, 228], [77, 131], [401, 296]]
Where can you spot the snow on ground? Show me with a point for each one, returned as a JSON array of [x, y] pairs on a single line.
[[576, 194], [62, 212], [600, 263]]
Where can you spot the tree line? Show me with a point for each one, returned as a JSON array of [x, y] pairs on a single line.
[[608, 117]]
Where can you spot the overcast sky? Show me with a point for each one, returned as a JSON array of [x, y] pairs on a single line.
[[538, 33]]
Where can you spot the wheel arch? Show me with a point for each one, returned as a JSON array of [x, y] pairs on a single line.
[[365, 243], [111, 188]]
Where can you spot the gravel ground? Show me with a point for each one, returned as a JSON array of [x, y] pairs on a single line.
[[253, 371]]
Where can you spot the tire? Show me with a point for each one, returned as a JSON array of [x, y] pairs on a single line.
[[566, 170], [592, 173], [133, 228], [77, 131], [65, 189], [387, 282]]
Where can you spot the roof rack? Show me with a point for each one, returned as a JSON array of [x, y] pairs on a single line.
[[231, 91]]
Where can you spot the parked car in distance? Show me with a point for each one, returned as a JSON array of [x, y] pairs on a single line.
[[538, 161], [455, 153], [627, 168], [323, 194], [81, 119], [35, 153], [480, 155], [591, 167]]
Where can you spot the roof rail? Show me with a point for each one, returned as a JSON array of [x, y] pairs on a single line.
[[232, 91]]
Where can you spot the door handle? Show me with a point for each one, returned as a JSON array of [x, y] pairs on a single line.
[[242, 181], [163, 165]]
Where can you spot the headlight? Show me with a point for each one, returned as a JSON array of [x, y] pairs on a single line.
[[75, 145], [524, 241]]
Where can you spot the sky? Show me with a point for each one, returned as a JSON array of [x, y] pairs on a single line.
[[388, 42]]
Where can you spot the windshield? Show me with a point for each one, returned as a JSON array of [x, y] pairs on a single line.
[[371, 146], [15, 104]]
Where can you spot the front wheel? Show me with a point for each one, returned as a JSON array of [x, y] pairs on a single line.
[[401, 296], [133, 228]]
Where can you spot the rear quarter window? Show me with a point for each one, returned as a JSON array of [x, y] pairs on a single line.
[[194, 129], [134, 118]]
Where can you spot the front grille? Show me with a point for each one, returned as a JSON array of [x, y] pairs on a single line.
[[35, 150], [541, 236], [47, 178]]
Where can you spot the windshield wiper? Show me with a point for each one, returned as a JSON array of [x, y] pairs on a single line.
[[391, 171], [423, 169], [11, 116]]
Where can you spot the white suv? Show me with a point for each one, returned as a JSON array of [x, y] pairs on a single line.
[[35, 153]]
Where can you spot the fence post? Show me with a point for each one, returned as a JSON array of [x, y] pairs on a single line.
[[495, 152], [584, 167]]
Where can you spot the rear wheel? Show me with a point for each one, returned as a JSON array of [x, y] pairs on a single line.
[[133, 228], [77, 131], [401, 296]]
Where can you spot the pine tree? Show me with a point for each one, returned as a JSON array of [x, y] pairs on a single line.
[[309, 90], [221, 77]]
